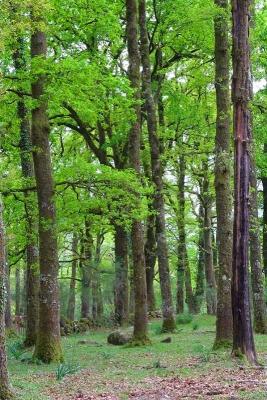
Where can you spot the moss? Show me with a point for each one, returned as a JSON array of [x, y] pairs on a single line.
[[168, 325], [48, 349], [6, 393], [222, 344]]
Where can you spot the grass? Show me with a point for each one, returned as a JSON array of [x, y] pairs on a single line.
[[188, 355]]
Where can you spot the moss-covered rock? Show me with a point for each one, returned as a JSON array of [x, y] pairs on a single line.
[[119, 338]]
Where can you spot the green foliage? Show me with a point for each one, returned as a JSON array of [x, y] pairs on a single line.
[[66, 369], [183, 319], [16, 350]]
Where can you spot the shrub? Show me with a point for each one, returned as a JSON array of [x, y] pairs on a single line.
[[183, 319], [66, 369]]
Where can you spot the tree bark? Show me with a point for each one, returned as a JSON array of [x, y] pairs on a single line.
[[48, 347], [97, 301], [257, 278], [157, 177], [140, 317], [200, 281], [72, 289], [18, 292], [224, 325], [5, 391], [86, 272], [121, 276], [150, 257], [8, 316], [243, 341], [211, 290], [25, 144], [264, 185]]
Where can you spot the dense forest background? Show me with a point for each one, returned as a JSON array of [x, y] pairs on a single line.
[[125, 160]]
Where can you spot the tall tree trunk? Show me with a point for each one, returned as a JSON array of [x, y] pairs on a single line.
[[5, 391], [200, 280], [264, 185], [259, 306], [211, 291], [150, 257], [8, 316], [32, 276], [224, 325], [140, 317], [18, 292], [157, 177], [243, 341], [97, 306], [48, 347], [86, 273], [121, 276], [72, 289]]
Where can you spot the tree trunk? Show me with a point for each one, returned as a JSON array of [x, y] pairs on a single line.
[[32, 276], [200, 281], [264, 185], [8, 316], [243, 341], [224, 325], [150, 257], [157, 177], [121, 276], [18, 293], [72, 289], [86, 273], [183, 268], [259, 306], [5, 392], [211, 295], [48, 347], [140, 317], [97, 306]]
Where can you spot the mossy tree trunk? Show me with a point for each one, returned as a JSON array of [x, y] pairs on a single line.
[[18, 292], [48, 346], [157, 176], [86, 270], [150, 257], [97, 301], [200, 280], [25, 144], [211, 290], [224, 325], [264, 245], [72, 289], [8, 316], [257, 278], [137, 235], [121, 276], [5, 391], [243, 340]]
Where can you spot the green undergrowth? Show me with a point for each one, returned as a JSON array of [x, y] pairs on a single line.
[[189, 354]]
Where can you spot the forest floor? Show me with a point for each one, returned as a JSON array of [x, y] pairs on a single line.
[[186, 368]]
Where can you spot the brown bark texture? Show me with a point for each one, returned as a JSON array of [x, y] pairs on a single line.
[[243, 341], [48, 346], [5, 391], [139, 273], [72, 288], [157, 176], [223, 167]]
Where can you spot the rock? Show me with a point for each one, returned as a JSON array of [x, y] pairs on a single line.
[[118, 338], [167, 340]]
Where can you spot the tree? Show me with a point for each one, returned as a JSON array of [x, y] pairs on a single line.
[[224, 327], [243, 340], [168, 324], [48, 347], [5, 391], [137, 237], [72, 289]]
